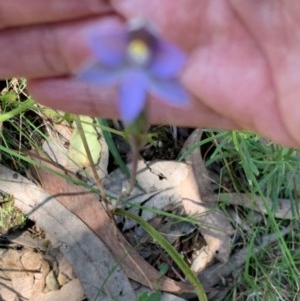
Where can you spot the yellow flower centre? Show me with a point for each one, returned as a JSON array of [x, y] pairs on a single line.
[[138, 51]]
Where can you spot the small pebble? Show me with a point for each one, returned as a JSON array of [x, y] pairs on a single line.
[[51, 282]]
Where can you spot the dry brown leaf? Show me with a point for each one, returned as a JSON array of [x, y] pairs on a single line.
[[218, 230], [197, 163], [56, 144]]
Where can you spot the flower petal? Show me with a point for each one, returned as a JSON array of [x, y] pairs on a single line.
[[132, 95], [110, 48], [170, 91], [96, 73], [167, 60]]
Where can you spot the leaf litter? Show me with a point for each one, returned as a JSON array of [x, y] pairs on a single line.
[[78, 225]]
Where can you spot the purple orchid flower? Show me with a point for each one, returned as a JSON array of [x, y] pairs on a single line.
[[139, 62]]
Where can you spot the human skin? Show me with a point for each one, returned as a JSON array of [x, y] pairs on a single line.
[[243, 69]]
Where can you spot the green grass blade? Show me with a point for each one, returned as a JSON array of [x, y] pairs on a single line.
[[112, 147], [18, 110], [189, 274]]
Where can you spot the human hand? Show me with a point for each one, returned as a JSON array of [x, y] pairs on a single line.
[[243, 67]]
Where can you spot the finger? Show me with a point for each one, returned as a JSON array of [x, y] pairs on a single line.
[[72, 96], [14, 13], [48, 50]]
